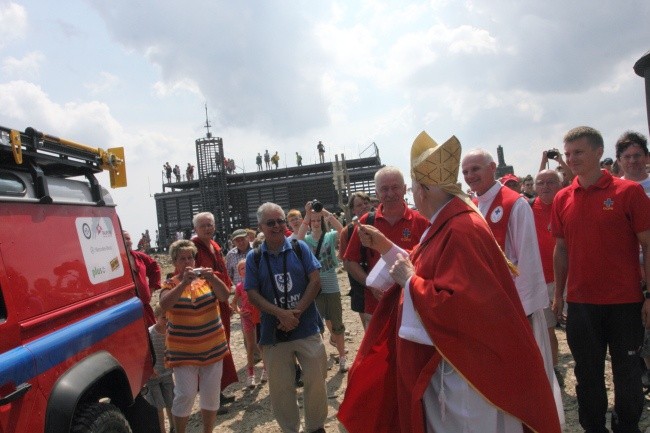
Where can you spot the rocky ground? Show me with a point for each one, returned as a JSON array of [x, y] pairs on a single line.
[[251, 411]]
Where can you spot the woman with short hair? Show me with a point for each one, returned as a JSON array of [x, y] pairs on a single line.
[[196, 341]]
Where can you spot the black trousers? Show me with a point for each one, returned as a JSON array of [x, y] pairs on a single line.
[[592, 329]]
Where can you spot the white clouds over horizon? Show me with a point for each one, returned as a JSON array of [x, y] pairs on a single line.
[[13, 22], [284, 75]]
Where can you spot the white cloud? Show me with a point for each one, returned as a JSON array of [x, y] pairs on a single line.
[[163, 89], [465, 39], [258, 66], [13, 22], [106, 82], [26, 68]]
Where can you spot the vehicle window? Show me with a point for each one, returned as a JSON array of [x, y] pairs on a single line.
[[10, 184]]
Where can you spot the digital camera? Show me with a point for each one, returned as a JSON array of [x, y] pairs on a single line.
[[552, 154], [316, 205]]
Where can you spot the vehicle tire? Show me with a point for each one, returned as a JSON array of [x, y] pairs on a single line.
[[99, 418]]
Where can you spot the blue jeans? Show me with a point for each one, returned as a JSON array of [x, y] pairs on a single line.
[[592, 329]]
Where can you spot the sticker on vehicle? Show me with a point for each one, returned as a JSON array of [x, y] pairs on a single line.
[[99, 247]]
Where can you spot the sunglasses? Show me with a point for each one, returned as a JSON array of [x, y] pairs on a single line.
[[272, 223]]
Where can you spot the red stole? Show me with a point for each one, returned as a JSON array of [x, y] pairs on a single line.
[[498, 214]]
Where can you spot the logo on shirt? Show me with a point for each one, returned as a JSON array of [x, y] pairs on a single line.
[[496, 214], [608, 204], [292, 300], [406, 234]]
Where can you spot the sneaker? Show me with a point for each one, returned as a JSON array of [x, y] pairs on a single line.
[[264, 377], [343, 365], [226, 399], [222, 410], [250, 381]]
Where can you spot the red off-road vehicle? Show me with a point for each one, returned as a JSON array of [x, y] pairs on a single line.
[[74, 349]]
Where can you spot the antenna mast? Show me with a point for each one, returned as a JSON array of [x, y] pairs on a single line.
[[207, 122]]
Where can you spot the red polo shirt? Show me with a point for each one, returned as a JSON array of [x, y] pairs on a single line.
[[545, 240], [599, 225], [405, 233]]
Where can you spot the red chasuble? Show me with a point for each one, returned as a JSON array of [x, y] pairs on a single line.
[[467, 301]]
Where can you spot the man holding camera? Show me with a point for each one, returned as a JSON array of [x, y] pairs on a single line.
[[394, 219], [562, 168], [283, 283]]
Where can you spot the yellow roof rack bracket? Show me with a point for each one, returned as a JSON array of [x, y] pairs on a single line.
[[16, 146], [113, 161]]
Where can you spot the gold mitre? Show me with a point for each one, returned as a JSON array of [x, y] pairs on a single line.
[[434, 164]]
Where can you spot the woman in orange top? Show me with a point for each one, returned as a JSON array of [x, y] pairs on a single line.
[[196, 341]]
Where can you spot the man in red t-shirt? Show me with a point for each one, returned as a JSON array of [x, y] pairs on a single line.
[[598, 222], [394, 219], [547, 183]]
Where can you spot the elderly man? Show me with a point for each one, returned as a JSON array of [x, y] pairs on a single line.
[[599, 222], [282, 280], [444, 350], [241, 247], [547, 184], [209, 255], [393, 218]]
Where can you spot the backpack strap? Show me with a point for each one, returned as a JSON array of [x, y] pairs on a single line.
[[257, 254]]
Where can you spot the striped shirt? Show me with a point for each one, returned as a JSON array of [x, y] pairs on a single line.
[[195, 334]]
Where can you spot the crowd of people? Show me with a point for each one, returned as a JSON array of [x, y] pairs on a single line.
[[231, 168], [176, 171], [460, 298]]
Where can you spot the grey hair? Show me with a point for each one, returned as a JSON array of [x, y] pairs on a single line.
[[480, 152], [200, 216], [389, 169], [549, 171], [266, 207]]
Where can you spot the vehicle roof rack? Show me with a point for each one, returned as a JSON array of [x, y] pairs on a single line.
[[46, 155], [60, 157]]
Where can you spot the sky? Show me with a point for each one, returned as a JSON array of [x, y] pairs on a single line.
[[282, 75]]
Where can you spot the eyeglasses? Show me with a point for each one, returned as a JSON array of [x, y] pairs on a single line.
[[272, 223]]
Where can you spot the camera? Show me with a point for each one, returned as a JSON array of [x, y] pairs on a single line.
[[316, 205], [552, 154], [197, 271]]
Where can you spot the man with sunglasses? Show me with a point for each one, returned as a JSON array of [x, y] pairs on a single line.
[[283, 285]]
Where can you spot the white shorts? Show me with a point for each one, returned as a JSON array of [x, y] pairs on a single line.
[[190, 380]]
